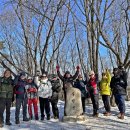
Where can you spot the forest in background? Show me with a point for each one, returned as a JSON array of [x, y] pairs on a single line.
[[40, 34]]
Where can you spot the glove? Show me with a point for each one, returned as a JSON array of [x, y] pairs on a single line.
[[57, 68], [78, 68]]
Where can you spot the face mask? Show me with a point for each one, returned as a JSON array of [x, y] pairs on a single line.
[[44, 80]]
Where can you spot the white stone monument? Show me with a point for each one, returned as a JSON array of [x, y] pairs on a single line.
[[73, 105]]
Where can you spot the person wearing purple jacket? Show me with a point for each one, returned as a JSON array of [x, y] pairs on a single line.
[[21, 96]]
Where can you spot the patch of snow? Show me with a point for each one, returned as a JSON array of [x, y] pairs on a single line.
[[91, 123]]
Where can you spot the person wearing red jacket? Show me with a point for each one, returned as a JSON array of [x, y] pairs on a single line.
[[92, 82], [32, 93]]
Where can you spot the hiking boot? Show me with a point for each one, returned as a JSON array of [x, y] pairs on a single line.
[[31, 117], [95, 114], [42, 118], [48, 117], [25, 119], [107, 113], [8, 123], [121, 116], [1, 125], [17, 122], [56, 117]]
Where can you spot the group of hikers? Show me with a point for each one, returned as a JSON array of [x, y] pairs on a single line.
[[28, 91]]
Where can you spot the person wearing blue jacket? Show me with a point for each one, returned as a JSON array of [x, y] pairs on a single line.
[[21, 96]]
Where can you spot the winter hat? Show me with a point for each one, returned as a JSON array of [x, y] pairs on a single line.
[[67, 72], [115, 69], [22, 74], [91, 72]]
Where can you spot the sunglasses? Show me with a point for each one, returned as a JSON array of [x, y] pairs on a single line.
[[91, 75]]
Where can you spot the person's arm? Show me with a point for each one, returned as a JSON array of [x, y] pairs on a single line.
[[58, 88], [86, 78], [50, 90], [108, 76], [36, 81], [76, 74], [124, 77], [0, 81], [112, 83], [16, 80], [58, 73]]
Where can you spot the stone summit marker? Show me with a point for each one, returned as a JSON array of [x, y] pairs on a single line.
[[73, 105]]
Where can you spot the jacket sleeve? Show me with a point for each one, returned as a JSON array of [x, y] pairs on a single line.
[[60, 76], [112, 83], [75, 75], [124, 77], [0, 80], [108, 76], [36, 81], [50, 89], [16, 80]]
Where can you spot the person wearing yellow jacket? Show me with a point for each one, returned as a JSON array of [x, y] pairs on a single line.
[[105, 91]]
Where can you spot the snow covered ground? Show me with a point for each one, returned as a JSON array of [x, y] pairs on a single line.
[[101, 123]]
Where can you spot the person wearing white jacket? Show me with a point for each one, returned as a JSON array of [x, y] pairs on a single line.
[[44, 93]]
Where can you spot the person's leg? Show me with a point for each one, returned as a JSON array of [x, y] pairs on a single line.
[[55, 109], [103, 99], [117, 100], [106, 101], [8, 106], [41, 101], [108, 106], [35, 102], [17, 111], [65, 102], [30, 108], [2, 108], [24, 103], [121, 106], [95, 103], [47, 108], [83, 104]]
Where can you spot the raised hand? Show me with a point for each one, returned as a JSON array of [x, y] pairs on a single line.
[[78, 68], [57, 68]]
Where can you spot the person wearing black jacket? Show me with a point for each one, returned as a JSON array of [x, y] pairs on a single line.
[[67, 78], [118, 85], [81, 85], [56, 88], [6, 94]]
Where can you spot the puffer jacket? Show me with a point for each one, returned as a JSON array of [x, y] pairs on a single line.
[[6, 87], [119, 83], [44, 89], [19, 88], [56, 88], [32, 91], [104, 85]]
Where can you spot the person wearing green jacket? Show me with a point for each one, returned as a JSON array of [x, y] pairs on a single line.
[[6, 94], [105, 91]]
